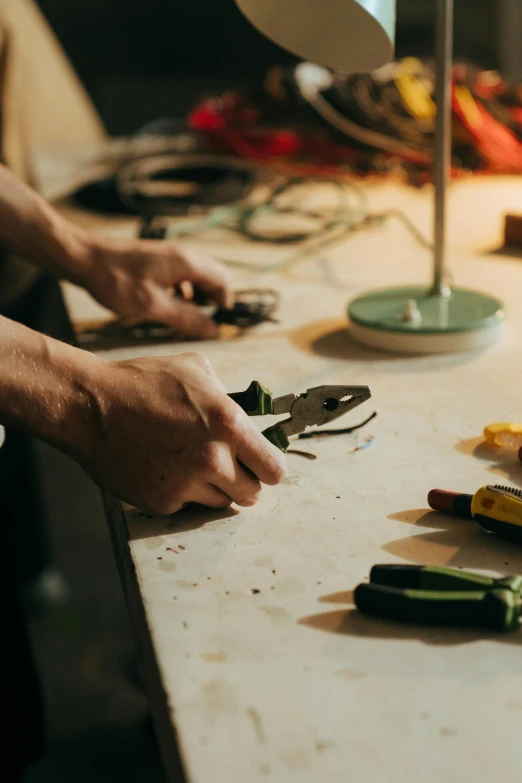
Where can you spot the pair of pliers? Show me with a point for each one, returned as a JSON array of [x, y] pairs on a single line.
[[317, 406], [435, 595]]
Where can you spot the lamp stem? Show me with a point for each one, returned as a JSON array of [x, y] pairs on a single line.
[[444, 62]]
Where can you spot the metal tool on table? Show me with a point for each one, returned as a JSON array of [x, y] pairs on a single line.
[[496, 508], [431, 595], [252, 306], [315, 407]]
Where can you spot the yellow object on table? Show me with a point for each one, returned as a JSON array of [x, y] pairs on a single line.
[[504, 433], [413, 91]]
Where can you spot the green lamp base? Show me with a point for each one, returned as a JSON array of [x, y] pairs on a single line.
[[413, 320]]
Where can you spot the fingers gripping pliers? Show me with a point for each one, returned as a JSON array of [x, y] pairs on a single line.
[[317, 406]]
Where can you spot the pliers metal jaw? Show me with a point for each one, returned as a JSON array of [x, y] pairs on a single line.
[[317, 406]]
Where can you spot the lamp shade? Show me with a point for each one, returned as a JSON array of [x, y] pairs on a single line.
[[346, 35]]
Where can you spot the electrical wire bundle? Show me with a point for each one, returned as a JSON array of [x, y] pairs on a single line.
[[286, 217], [307, 120]]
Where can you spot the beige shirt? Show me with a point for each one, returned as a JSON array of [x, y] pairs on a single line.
[[42, 103]]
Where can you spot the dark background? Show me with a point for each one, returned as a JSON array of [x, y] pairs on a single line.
[[141, 59]]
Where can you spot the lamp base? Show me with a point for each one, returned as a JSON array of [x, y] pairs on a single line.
[[414, 320]]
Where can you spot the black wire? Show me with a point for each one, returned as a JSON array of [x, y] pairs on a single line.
[[344, 431], [208, 180]]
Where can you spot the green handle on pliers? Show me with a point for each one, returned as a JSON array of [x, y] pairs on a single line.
[[440, 578], [277, 437], [495, 609], [441, 596], [257, 401]]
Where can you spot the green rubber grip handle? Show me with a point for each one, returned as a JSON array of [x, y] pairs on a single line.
[[495, 609], [255, 401], [276, 436], [439, 578]]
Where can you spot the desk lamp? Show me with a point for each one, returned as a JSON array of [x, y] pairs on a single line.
[[356, 36]]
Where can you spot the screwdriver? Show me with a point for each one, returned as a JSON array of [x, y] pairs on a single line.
[[496, 508]]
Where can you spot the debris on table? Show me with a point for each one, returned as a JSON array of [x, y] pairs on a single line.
[[364, 445], [301, 453]]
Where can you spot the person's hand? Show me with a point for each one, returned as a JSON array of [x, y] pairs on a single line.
[[156, 433], [137, 279], [164, 433]]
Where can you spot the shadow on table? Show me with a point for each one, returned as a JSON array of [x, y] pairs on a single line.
[[507, 252], [351, 622], [344, 597], [332, 339], [141, 525], [453, 542], [504, 462]]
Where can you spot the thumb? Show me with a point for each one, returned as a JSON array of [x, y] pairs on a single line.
[[185, 317]]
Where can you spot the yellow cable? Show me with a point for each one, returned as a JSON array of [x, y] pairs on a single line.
[[468, 105], [414, 93]]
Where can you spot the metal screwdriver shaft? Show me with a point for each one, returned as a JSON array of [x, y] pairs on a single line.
[[444, 56]]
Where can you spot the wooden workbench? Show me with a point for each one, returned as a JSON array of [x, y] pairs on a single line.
[[256, 662]]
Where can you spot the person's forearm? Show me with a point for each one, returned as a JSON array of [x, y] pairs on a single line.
[[30, 227], [45, 387]]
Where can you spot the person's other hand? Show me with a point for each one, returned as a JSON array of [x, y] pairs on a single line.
[[164, 433], [137, 279]]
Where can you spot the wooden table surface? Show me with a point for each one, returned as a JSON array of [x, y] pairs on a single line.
[[255, 658]]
